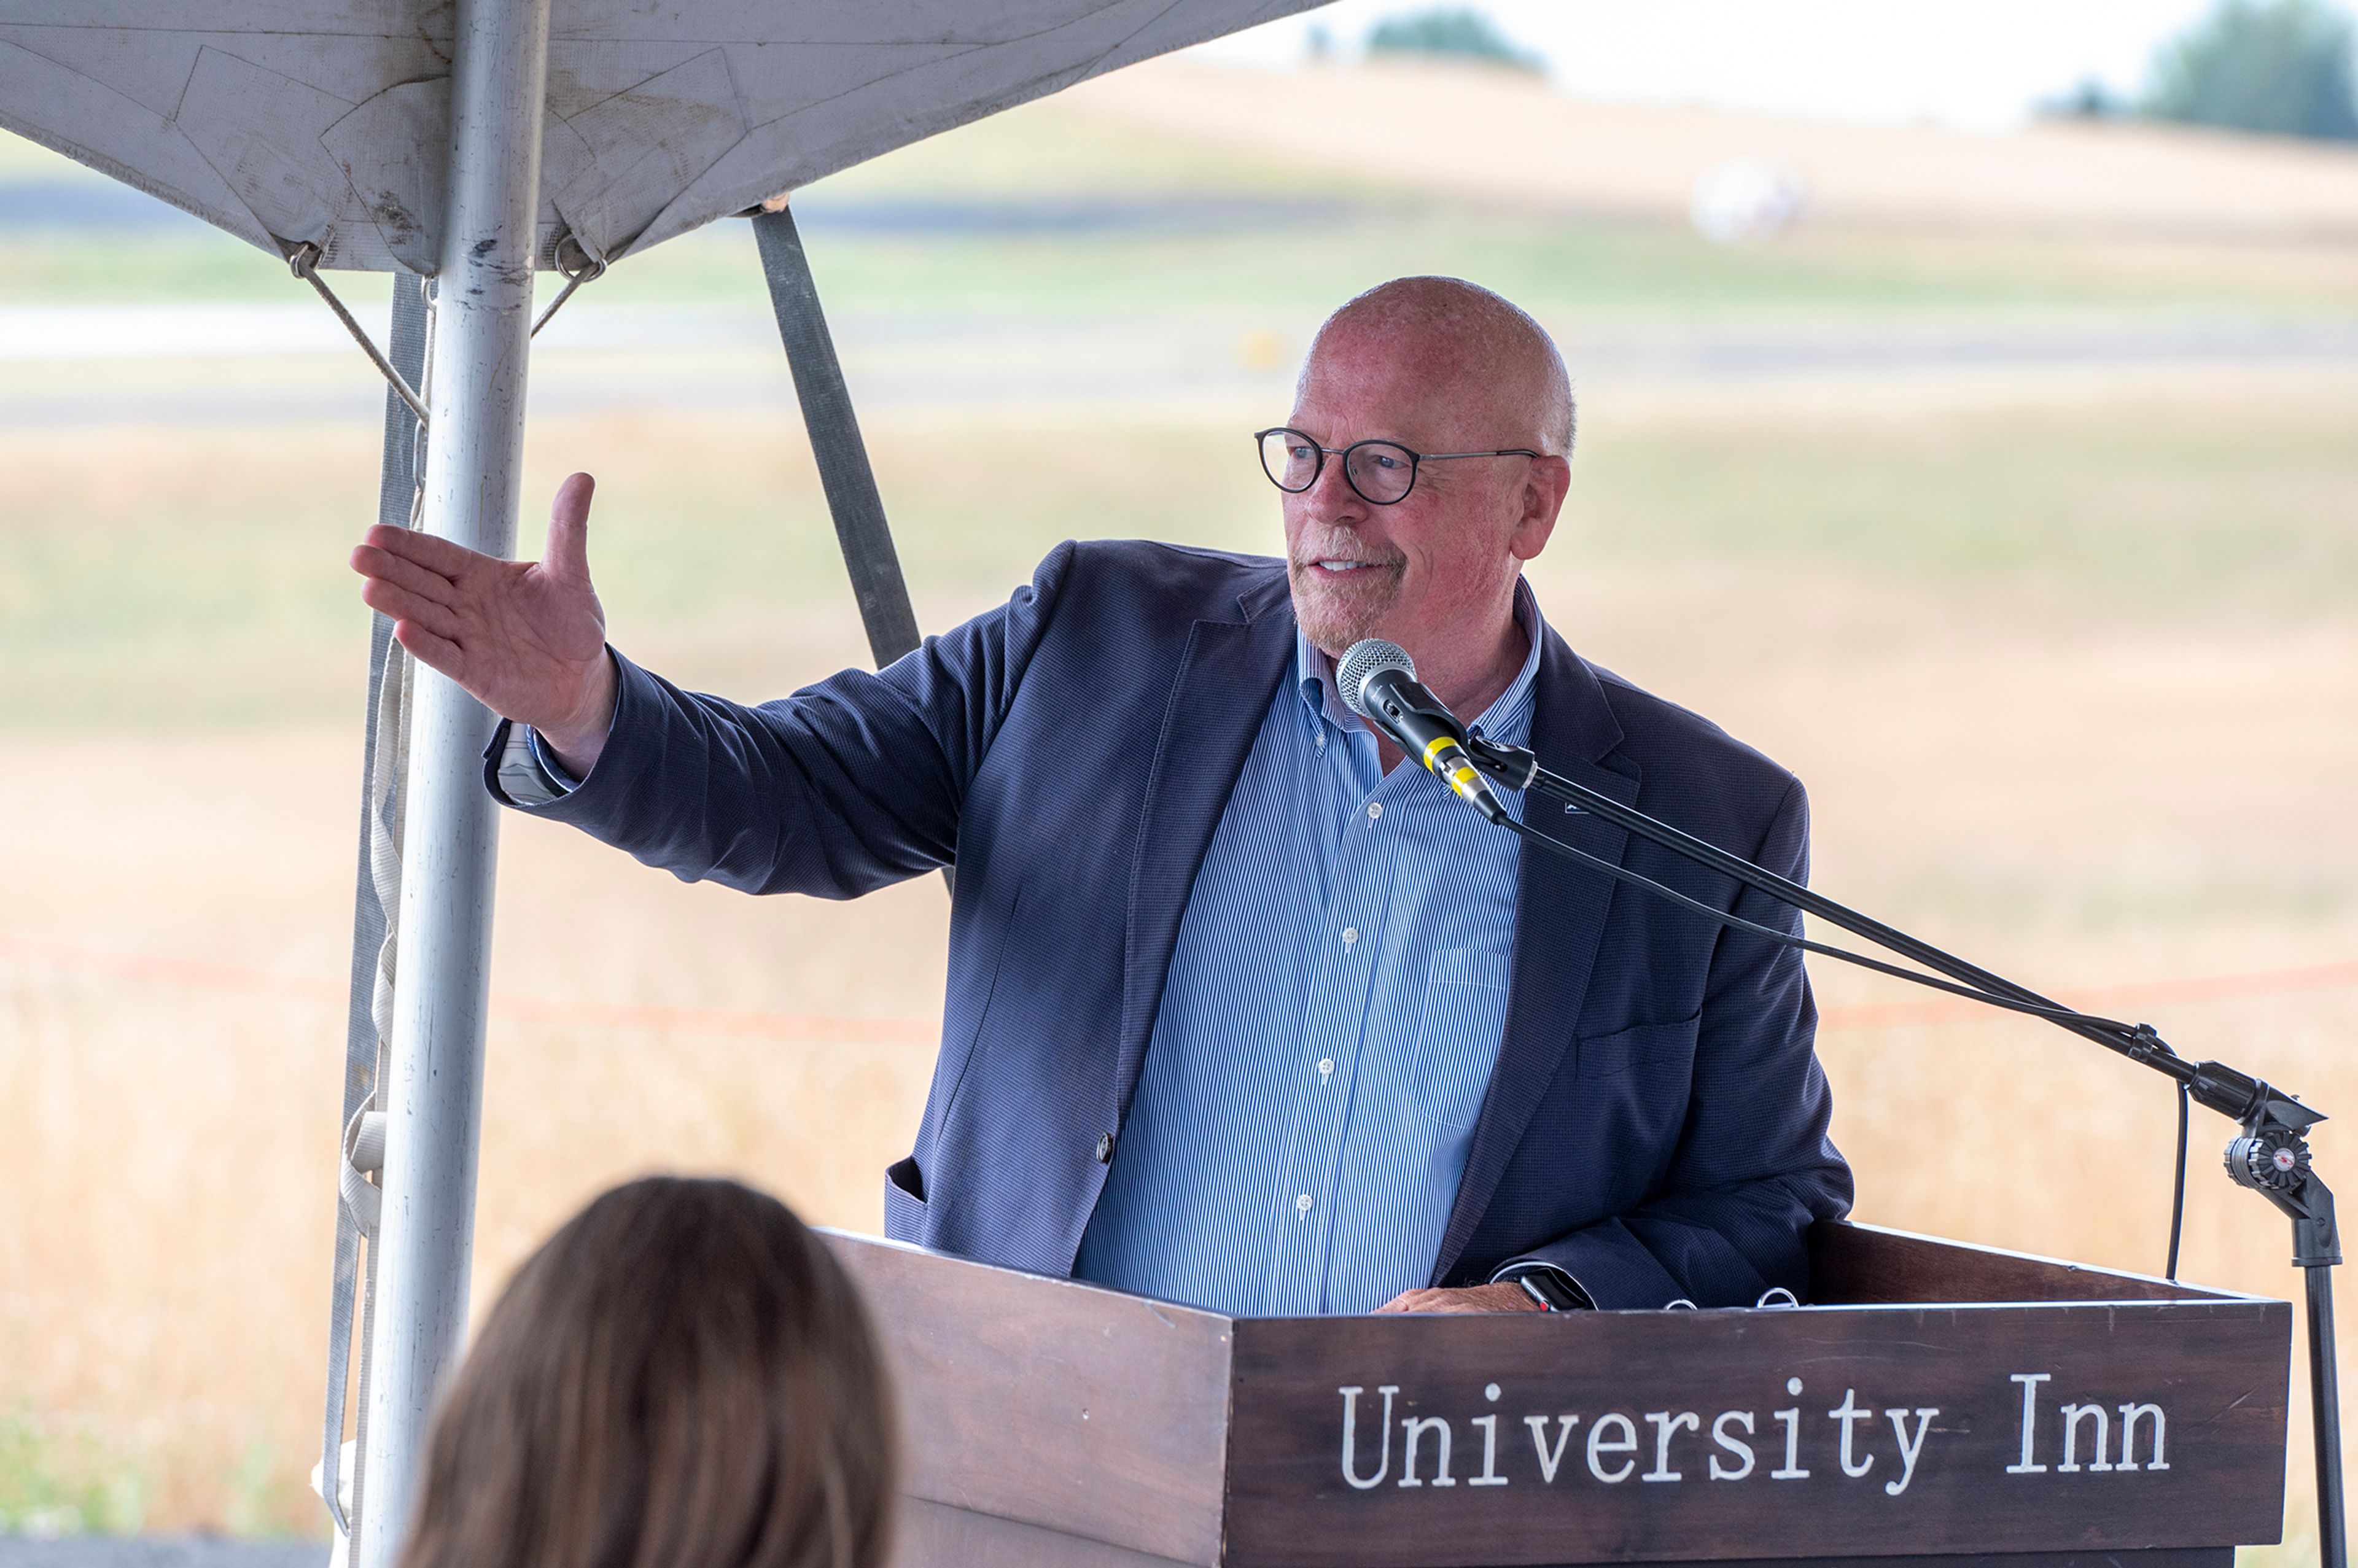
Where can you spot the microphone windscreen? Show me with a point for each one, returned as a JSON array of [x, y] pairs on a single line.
[[1363, 659]]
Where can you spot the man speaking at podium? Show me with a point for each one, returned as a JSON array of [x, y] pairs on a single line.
[[1242, 1010]]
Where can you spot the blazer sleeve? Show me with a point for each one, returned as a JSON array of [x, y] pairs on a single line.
[[844, 787], [1754, 1167]]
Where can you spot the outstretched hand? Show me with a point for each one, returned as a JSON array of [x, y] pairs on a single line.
[[526, 639]]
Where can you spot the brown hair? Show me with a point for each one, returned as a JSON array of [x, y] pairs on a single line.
[[680, 1378]]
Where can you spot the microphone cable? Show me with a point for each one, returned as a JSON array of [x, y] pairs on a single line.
[[2129, 1034], [2135, 1038]]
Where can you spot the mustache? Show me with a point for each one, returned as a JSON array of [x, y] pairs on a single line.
[[1342, 548]]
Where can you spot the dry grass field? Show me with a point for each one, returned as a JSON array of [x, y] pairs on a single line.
[[1512, 139], [2068, 655]]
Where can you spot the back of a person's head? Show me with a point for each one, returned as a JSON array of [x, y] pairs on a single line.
[[680, 1378]]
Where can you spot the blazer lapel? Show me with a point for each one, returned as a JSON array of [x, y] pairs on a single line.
[[1230, 669], [1560, 911]]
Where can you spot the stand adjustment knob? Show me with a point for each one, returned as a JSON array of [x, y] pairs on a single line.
[[2268, 1164]]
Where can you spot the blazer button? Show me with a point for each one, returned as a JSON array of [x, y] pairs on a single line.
[[1104, 1148]]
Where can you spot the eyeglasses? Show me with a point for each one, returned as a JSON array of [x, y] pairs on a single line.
[[1381, 472]]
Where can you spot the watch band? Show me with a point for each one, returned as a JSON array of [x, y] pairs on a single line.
[[1551, 1289]]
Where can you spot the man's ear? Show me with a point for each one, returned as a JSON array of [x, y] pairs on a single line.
[[1542, 497]]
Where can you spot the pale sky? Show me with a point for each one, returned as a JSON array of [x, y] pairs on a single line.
[[1971, 63]]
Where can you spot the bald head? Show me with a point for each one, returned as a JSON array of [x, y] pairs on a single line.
[[1498, 368]]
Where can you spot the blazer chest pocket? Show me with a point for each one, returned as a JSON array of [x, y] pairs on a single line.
[[1457, 1037], [1642, 1051]]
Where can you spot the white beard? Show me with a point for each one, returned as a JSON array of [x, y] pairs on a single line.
[[1335, 615]]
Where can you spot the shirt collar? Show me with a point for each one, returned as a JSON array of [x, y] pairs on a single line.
[[1506, 721]]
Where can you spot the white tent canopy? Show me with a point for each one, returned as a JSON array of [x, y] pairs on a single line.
[[327, 121]]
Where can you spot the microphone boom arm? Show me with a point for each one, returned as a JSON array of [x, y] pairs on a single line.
[[2271, 1158], [2221, 1088]]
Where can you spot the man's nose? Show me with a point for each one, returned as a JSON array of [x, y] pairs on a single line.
[[1331, 498]]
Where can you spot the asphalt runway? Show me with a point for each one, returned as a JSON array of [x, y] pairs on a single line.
[[194, 363], [158, 1551], [210, 364]]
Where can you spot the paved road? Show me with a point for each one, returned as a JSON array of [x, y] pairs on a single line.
[[158, 1551], [205, 364]]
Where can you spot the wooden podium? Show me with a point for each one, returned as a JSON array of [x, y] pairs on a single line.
[[1938, 1403]]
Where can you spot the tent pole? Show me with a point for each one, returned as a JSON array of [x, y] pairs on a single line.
[[433, 1099], [851, 484]]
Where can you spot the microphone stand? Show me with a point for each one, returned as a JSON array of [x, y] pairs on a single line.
[[2271, 1157]]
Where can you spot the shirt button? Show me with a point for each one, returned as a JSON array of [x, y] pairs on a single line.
[[1302, 1204], [1325, 1068], [1375, 810], [1350, 934]]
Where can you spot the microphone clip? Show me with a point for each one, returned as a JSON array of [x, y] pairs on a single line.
[[1517, 767]]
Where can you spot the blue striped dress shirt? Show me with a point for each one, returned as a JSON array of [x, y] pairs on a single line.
[[1328, 1025]]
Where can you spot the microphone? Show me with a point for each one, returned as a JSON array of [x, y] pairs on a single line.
[[1379, 683]]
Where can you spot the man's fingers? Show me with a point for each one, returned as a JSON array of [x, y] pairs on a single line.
[[386, 567], [567, 555], [391, 598], [434, 554], [440, 652]]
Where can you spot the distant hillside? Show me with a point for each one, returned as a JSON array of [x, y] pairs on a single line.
[[1491, 136]]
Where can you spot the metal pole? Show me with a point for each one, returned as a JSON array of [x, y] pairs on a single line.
[[433, 1099], [852, 499], [851, 484], [353, 1286], [2325, 1417]]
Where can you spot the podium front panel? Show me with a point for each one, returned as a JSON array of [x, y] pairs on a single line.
[[1086, 1410], [1609, 1437], [2042, 1414]]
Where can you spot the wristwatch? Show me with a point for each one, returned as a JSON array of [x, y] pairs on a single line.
[[1554, 1290]]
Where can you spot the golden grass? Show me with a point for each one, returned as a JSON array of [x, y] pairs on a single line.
[[2069, 662], [2059, 758], [1513, 139]]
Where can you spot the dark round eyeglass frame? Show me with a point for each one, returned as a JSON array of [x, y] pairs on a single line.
[[1416, 459]]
